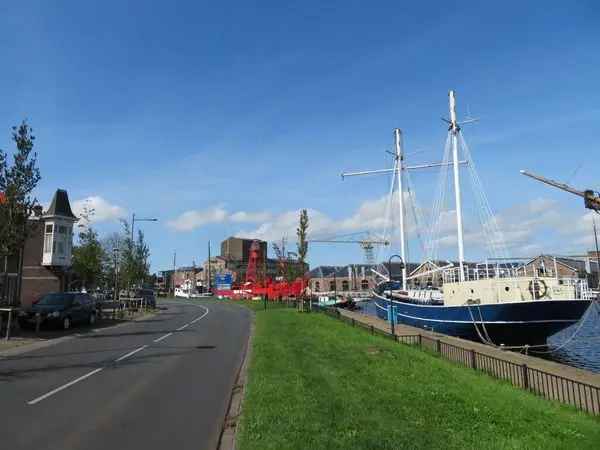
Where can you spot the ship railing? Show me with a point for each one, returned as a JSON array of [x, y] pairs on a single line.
[[485, 271]]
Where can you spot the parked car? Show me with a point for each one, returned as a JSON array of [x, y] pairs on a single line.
[[61, 309]]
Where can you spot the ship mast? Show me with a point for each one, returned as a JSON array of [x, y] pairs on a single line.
[[454, 130], [399, 161]]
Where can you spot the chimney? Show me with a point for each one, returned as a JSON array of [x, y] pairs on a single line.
[[37, 211]]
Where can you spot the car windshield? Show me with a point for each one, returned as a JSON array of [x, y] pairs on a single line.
[[54, 299]]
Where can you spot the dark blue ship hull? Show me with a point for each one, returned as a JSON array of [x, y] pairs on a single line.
[[519, 323]]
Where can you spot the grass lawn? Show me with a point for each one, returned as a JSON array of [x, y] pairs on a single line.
[[316, 383]]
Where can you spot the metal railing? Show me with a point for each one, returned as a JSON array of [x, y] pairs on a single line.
[[582, 396]]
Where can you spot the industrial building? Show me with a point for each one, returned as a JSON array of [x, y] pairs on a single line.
[[234, 259]]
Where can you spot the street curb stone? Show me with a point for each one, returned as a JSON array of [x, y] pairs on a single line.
[[228, 437]]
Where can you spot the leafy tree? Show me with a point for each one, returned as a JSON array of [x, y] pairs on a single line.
[[89, 258], [109, 244], [134, 265], [302, 232], [17, 182]]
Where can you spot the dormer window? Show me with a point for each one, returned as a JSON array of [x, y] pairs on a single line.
[[58, 231]]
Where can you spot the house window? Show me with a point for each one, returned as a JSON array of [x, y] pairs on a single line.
[[48, 238], [332, 286], [345, 285], [317, 286], [364, 285]]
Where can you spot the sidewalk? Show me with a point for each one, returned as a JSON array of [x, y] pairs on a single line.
[[23, 341]]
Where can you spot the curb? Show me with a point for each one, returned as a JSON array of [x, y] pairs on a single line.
[[19, 350], [227, 440]]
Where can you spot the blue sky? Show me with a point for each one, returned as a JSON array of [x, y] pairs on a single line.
[[241, 114]]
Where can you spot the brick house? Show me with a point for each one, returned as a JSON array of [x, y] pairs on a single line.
[[46, 255], [352, 277]]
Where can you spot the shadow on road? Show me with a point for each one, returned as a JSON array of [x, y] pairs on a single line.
[[131, 333], [110, 363]]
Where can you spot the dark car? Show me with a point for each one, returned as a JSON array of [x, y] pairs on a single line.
[[148, 296], [62, 309]]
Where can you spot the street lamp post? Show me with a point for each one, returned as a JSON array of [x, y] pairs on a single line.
[[391, 310], [116, 259], [134, 220]]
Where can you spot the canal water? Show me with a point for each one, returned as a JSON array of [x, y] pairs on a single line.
[[582, 351]]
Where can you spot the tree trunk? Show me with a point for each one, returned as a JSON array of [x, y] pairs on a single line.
[[5, 286], [19, 276]]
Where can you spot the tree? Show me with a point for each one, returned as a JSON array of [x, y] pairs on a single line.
[[109, 244], [17, 183], [134, 265], [302, 232], [89, 258]]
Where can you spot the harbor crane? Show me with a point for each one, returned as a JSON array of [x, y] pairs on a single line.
[[367, 245], [591, 198]]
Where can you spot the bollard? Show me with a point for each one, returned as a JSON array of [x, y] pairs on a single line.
[[8, 324], [38, 321], [1, 320], [473, 360]]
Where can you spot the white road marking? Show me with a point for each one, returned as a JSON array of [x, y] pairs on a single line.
[[95, 371], [200, 317], [163, 337], [64, 386], [131, 353]]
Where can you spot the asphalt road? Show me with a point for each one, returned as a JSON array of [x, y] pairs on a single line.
[[159, 383]]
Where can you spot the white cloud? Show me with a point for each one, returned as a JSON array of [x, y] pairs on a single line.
[[103, 210], [528, 228], [243, 216], [191, 220]]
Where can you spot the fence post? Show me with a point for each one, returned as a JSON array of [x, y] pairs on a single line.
[[438, 346], [1, 319], [353, 321], [372, 330], [420, 341], [8, 324], [525, 371], [473, 359], [338, 313]]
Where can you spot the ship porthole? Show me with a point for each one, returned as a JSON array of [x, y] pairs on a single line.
[[507, 289], [472, 291]]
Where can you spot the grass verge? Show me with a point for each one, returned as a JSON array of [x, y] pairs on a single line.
[[316, 383]]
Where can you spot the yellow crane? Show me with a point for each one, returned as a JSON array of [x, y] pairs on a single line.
[[591, 199]]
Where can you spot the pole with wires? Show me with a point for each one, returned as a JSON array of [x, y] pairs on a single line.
[[455, 130], [399, 168], [597, 254]]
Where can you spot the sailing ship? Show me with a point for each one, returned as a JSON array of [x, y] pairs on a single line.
[[506, 304]]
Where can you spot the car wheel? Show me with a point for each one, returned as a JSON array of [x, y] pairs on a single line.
[[66, 323], [92, 319]]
